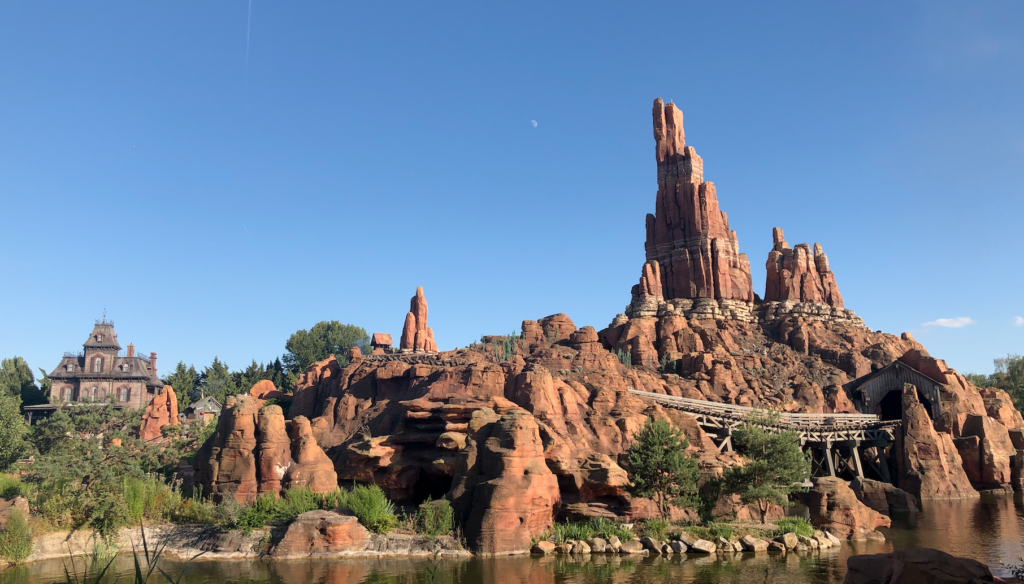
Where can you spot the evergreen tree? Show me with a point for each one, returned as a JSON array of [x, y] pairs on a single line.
[[325, 338], [659, 465], [185, 381], [16, 379], [216, 381], [774, 465], [12, 430]]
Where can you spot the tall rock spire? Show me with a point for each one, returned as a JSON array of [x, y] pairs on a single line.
[[688, 236], [799, 275]]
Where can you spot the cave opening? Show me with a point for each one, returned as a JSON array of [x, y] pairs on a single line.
[[891, 406], [434, 486]]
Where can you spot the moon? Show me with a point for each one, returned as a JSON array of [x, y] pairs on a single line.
[[533, 123]]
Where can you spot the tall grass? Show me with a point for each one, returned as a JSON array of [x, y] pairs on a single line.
[[12, 487], [368, 503], [16, 539], [372, 508], [797, 525], [594, 527]]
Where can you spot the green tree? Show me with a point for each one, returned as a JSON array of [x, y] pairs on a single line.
[[12, 430], [216, 381], [660, 467], [185, 381], [1008, 376], [773, 468], [325, 338], [16, 379]]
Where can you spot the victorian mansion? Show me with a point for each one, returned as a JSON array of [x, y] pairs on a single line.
[[102, 372]]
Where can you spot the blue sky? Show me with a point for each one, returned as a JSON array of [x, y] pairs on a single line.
[[214, 199]]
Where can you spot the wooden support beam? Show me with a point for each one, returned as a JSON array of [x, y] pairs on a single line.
[[828, 456], [884, 464], [856, 459]]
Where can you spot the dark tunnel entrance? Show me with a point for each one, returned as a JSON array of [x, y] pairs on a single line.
[[891, 406]]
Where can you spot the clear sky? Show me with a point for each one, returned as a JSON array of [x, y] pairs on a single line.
[[217, 183]]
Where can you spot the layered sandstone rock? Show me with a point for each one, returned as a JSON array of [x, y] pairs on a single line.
[[321, 534], [799, 275], [688, 236], [986, 450], [265, 389], [416, 335], [255, 451], [162, 411], [835, 507], [929, 464], [502, 485]]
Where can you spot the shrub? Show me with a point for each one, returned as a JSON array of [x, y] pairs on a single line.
[[655, 528], [605, 528], [16, 539], [372, 508], [257, 515], [12, 487], [434, 517], [797, 525], [335, 498], [573, 530]]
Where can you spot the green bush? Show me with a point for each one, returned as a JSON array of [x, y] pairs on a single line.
[[584, 530], [259, 514], [297, 501], [654, 528], [12, 487], [573, 530], [16, 539], [372, 508], [334, 499], [434, 517], [797, 525], [711, 531], [606, 528]]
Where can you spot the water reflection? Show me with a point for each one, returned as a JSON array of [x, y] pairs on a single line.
[[988, 529]]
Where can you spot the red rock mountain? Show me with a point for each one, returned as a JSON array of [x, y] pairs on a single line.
[[518, 430], [688, 235]]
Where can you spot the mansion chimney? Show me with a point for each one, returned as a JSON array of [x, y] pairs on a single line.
[[152, 363], [131, 350]]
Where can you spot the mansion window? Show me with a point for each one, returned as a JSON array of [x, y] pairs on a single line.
[[69, 367], [97, 365], [65, 392], [124, 394], [95, 390]]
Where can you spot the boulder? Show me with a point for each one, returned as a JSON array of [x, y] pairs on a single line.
[[883, 497], [597, 545], [723, 544], [503, 487], [753, 544], [631, 547], [543, 547], [810, 542], [789, 540], [775, 546], [13, 505], [652, 545], [929, 464], [995, 449], [677, 547], [321, 533], [915, 566], [834, 505], [703, 546]]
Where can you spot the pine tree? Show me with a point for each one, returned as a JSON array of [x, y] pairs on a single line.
[[659, 465], [774, 465]]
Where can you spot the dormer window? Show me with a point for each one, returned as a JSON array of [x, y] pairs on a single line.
[[97, 365], [69, 367], [99, 337]]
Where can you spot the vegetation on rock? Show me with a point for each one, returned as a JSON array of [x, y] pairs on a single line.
[[659, 465], [774, 465], [325, 338]]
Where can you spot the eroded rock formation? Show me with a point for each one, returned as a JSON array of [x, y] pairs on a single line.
[[693, 256], [162, 411], [835, 507], [254, 451], [798, 275], [930, 466], [416, 335]]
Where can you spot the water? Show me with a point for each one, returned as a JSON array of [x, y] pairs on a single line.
[[988, 530]]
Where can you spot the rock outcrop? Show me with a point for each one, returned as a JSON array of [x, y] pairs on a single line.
[[986, 451], [502, 485], [416, 335], [835, 507], [915, 566], [798, 275], [929, 464], [883, 497], [162, 411], [254, 451], [692, 254]]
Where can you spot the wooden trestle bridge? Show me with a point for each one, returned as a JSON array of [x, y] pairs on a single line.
[[840, 445]]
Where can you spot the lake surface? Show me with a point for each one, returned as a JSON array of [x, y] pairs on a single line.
[[988, 530]]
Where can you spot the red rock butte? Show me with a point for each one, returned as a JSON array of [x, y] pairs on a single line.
[[416, 335]]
